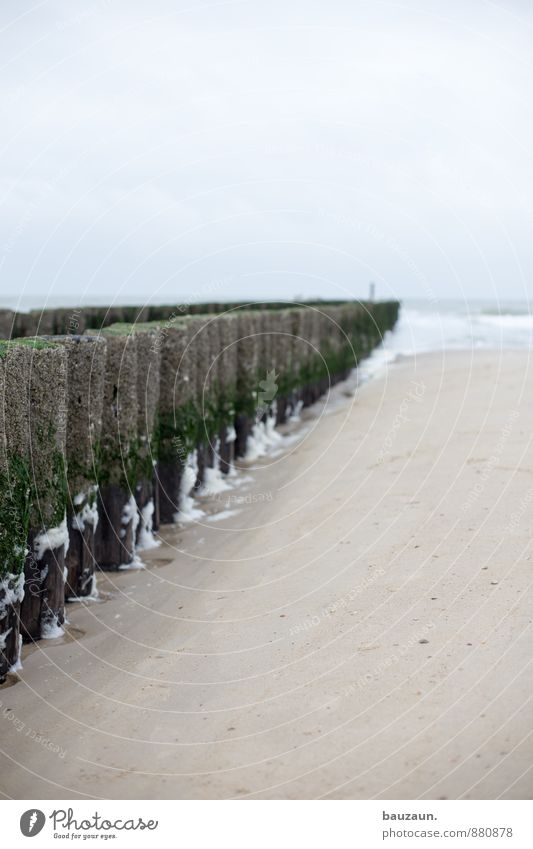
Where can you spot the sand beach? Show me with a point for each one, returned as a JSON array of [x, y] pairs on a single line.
[[351, 619]]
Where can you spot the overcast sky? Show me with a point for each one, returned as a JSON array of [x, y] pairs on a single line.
[[168, 151]]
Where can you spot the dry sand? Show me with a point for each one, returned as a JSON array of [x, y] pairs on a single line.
[[359, 628]]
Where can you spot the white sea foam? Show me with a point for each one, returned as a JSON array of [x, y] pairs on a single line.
[[130, 515], [189, 510], [224, 514], [214, 482], [51, 629], [146, 536], [134, 564], [17, 666], [13, 587], [93, 594], [263, 438], [51, 540], [3, 638], [88, 513], [296, 411]]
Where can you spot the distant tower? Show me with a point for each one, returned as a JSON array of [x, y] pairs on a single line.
[[372, 291]]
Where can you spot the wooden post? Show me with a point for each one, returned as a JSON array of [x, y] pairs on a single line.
[[43, 606], [15, 363], [86, 356], [118, 456], [177, 419], [148, 388], [227, 388]]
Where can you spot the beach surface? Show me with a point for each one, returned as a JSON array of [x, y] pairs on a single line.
[[352, 619]]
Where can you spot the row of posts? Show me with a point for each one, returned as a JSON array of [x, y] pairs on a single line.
[[97, 433]]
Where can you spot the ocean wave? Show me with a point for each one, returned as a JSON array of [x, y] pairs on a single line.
[[507, 320], [425, 330]]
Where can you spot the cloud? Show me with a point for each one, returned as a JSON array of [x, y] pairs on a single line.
[[289, 149]]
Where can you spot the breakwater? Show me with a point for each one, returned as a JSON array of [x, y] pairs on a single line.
[[110, 422]]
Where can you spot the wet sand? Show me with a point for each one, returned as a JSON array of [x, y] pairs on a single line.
[[356, 624]]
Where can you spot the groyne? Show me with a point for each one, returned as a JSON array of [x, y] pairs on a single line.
[[112, 420]]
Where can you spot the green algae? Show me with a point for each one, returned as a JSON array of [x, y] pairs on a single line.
[[15, 500]]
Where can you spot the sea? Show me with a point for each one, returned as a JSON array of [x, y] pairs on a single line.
[[425, 327]]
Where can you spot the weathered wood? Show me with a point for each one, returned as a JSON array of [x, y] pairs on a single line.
[[144, 495], [118, 461], [226, 451], [205, 454], [157, 509], [43, 605], [15, 371], [203, 462], [281, 409], [86, 357], [42, 608], [80, 562], [9, 625], [243, 428], [169, 474], [114, 542]]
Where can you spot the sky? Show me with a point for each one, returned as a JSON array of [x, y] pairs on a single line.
[[168, 152]]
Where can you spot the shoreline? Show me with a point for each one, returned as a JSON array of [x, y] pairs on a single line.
[[362, 633]]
